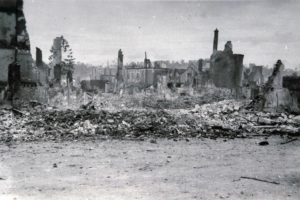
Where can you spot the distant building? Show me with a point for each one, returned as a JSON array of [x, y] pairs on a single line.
[[142, 77]]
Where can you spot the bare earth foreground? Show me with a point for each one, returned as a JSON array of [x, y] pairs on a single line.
[[120, 169]]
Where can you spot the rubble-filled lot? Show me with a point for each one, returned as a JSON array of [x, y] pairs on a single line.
[[227, 119], [121, 148]]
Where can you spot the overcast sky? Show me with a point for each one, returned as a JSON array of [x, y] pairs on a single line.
[[262, 30]]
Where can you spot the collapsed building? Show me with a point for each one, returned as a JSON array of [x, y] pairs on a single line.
[[136, 77], [273, 97], [191, 77], [19, 75], [226, 68]]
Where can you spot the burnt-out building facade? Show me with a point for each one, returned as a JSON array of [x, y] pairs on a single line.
[[226, 68], [140, 77], [278, 94], [18, 77]]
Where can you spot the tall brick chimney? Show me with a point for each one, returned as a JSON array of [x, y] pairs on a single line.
[[216, 38]]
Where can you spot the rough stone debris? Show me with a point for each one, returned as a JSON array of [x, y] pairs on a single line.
[[224, 119], [207, 115]]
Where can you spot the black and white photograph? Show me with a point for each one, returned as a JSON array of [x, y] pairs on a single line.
[[149, 99]]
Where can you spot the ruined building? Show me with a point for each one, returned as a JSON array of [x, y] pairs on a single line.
[[226, 68], [273, 96], [18, 79], [140, 77]]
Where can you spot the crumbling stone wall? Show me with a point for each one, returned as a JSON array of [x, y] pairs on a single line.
[[7, 36], [26, 62], [6, 58]]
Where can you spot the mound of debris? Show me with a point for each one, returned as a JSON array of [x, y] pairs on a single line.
[[83, 124], [229, 118], [224, 119]]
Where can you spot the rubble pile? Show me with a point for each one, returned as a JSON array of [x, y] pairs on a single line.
[[225, 119], [77, 124], [229, 118], [170, 101]]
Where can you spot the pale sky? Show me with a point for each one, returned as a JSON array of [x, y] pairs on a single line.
[[262, 30]]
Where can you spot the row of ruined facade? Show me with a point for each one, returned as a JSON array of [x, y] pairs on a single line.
[[193, 76], [23, 78], [224, 69]]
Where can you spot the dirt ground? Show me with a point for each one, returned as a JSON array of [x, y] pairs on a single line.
[[115, 169]]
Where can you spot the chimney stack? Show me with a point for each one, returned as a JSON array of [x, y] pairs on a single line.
[[216, 38]]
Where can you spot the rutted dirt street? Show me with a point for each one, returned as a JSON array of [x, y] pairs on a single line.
[[121, 169]]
